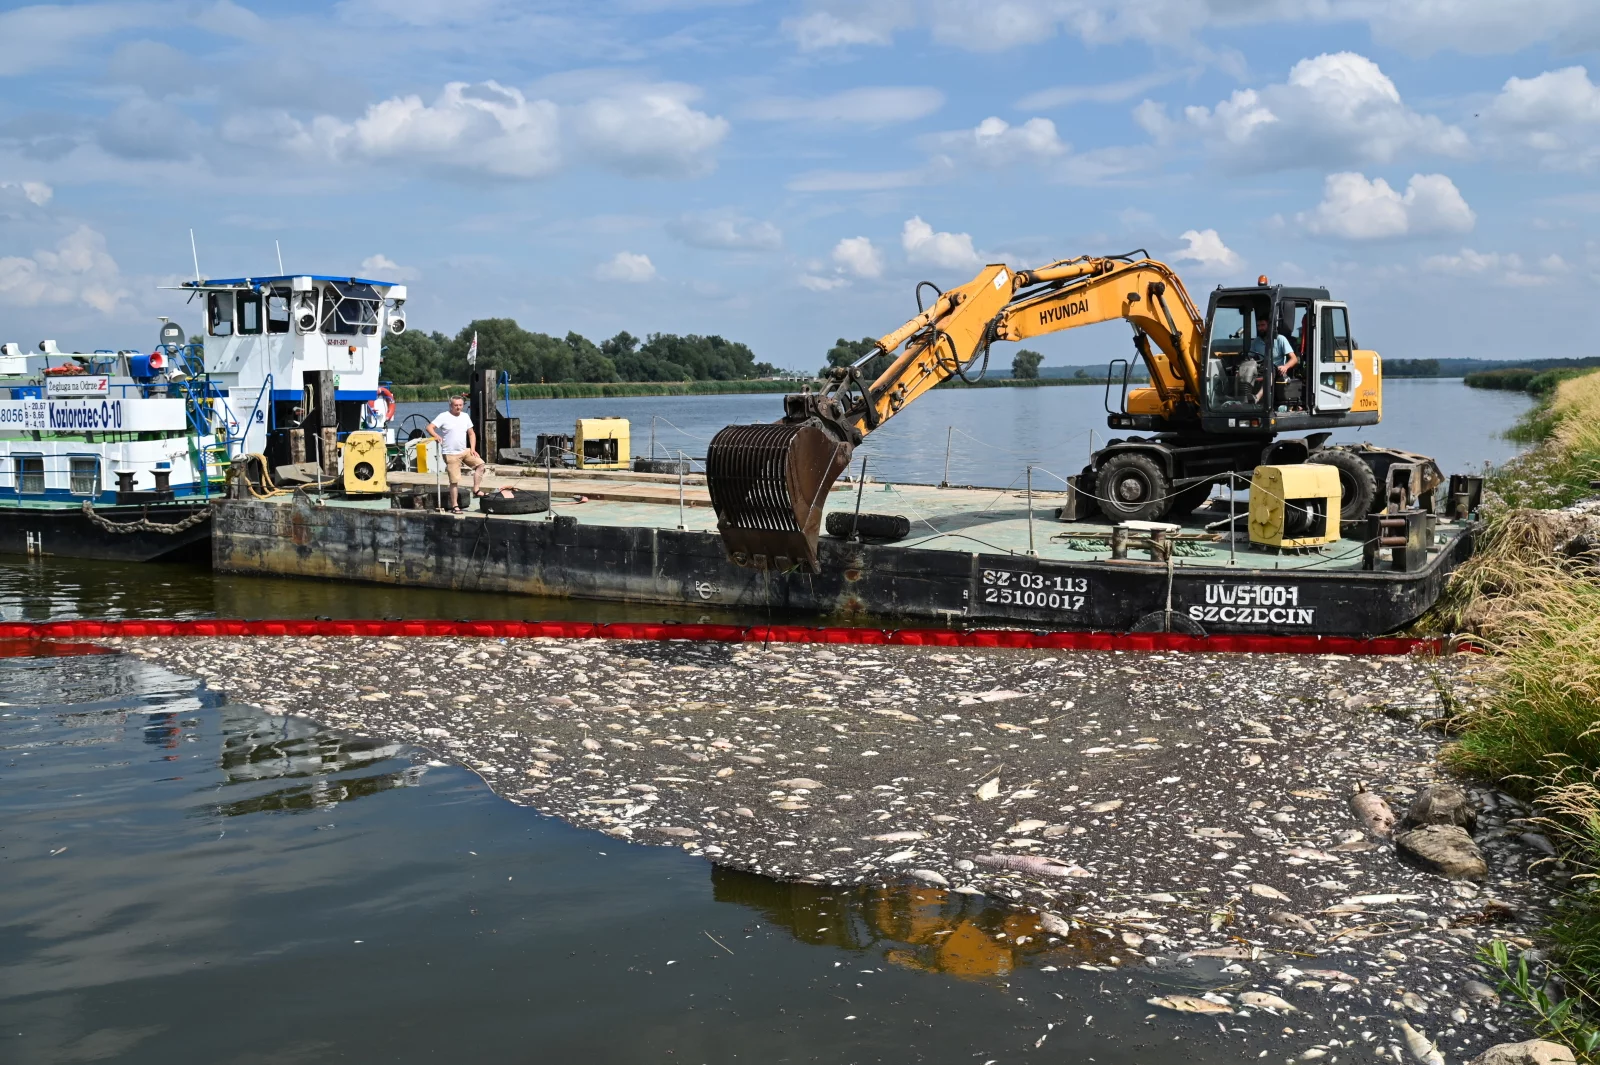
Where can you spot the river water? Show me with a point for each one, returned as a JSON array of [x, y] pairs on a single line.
[[188, 879]]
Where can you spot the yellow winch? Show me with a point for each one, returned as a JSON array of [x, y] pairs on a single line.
[[1295, 506]]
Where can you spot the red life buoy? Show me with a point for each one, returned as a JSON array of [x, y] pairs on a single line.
[[388, 399]]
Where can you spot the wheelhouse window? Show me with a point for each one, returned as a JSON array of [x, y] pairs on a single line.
[[1236, 363], [249, 313], [278, 311], [219, 314], [1336, 346], [350, 309], [29, 470], [85, 476]]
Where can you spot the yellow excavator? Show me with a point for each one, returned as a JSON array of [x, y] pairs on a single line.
[[1263, 360]]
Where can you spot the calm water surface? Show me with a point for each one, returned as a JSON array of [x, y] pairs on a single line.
[[189, 880]]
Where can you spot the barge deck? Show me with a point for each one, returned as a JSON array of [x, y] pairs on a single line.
[[974, 558]]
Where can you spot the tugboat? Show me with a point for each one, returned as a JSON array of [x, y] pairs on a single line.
[[119, 455]]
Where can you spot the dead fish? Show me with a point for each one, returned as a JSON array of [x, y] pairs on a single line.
[[1267, 892], [1379, 900], [989, 789], [898, 837], [1373, 812], [1421, 1047], [1286, 919], [1054, 925], [1262, 1000], [1216, 833], [1311, 854], [1031, 863], [931, 877], [1234, 952], [1026, 826], [801, 782], [1189, 1004], [1106, 807], [1332, 974]]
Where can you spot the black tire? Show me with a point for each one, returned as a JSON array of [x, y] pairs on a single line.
[[1132, 487], [1187, 499], [880, 528], [1357, 484], [524, 501]]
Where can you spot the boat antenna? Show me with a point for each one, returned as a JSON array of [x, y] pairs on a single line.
[[275, 244], [196, 253]]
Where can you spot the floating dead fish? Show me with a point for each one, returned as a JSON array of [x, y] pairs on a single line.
[[1032, 864], [1025, 793], [1373, 812], [1311, 854], [989, 789], [898, 837], [1189, 1004], [1421, 1047], [1262, 1000], [1216, 833], [1332, 974], [1286, 919], [931, 877], [1379, 900], [800, 782], [1267, 892], [1029, 825], [1233, 952], [1054, 925], [1106, 807], [1311, 793], [901, 856]]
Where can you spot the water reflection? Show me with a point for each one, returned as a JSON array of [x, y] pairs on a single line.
[[923, 928]]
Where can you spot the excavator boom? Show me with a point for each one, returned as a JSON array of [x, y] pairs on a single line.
[[769, 483]]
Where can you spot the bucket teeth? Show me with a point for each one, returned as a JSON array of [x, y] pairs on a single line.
[[769, 486]]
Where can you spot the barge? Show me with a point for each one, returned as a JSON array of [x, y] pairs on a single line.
[[975, 557]]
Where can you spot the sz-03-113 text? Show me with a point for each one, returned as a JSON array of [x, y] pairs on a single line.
[[1001, 587]]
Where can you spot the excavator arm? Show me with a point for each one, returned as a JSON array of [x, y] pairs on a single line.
[[769, 482]]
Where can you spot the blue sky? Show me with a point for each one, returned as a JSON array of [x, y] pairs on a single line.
[[783, 174]]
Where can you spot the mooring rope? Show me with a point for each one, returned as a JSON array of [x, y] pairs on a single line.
[[145, 524]]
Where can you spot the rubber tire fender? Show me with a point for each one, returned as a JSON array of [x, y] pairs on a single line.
[[1156, 497], [1357, 483], [882, 528]]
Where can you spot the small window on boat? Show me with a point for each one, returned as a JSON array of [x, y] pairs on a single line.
[[219, 306], [278, 311], [30, 474], [249, 313], [86, 476], [349, 309]]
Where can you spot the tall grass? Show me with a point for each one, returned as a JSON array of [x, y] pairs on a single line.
[[1532, 593]]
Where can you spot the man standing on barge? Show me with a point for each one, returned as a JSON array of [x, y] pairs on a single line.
[[458, 441]]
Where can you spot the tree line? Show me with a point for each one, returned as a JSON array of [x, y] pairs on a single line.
[[537, 358]]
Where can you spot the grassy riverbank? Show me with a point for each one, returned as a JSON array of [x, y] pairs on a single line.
[[1532, 592], [592, 390]]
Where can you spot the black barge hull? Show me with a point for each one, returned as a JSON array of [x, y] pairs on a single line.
[[163, 532], [858, 582]]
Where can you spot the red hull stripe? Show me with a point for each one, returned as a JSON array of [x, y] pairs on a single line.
[[16, 635]]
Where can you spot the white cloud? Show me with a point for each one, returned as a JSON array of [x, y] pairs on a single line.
[[1108, 92], [628, 267], [868, 106], [1554, 117], [725, 231], [38, 36], [383, 268], [495, 129], [858, 180], [1504, 268], [1205, 248], [817, 283], [35, 192], [925, 247], [1478, 26], [996, 142], [1355, 208], [1334, 109], [848, 24], [79, 270], [857, 256]]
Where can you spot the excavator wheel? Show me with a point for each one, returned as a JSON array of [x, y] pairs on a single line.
[[1132, 487], [769, 485], [1358, 485]]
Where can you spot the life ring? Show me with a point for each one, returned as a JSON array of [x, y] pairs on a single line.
[[372, 407]]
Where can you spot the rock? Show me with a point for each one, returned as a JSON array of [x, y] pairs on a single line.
[[1443, 849], [1441, 804], [1531, 1052]]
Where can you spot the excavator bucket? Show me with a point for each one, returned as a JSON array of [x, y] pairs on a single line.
[[769, 485]]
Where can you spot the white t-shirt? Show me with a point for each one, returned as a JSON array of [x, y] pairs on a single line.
[[453, 428]]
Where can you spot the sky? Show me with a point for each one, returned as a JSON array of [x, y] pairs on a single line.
[[785, 174]]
